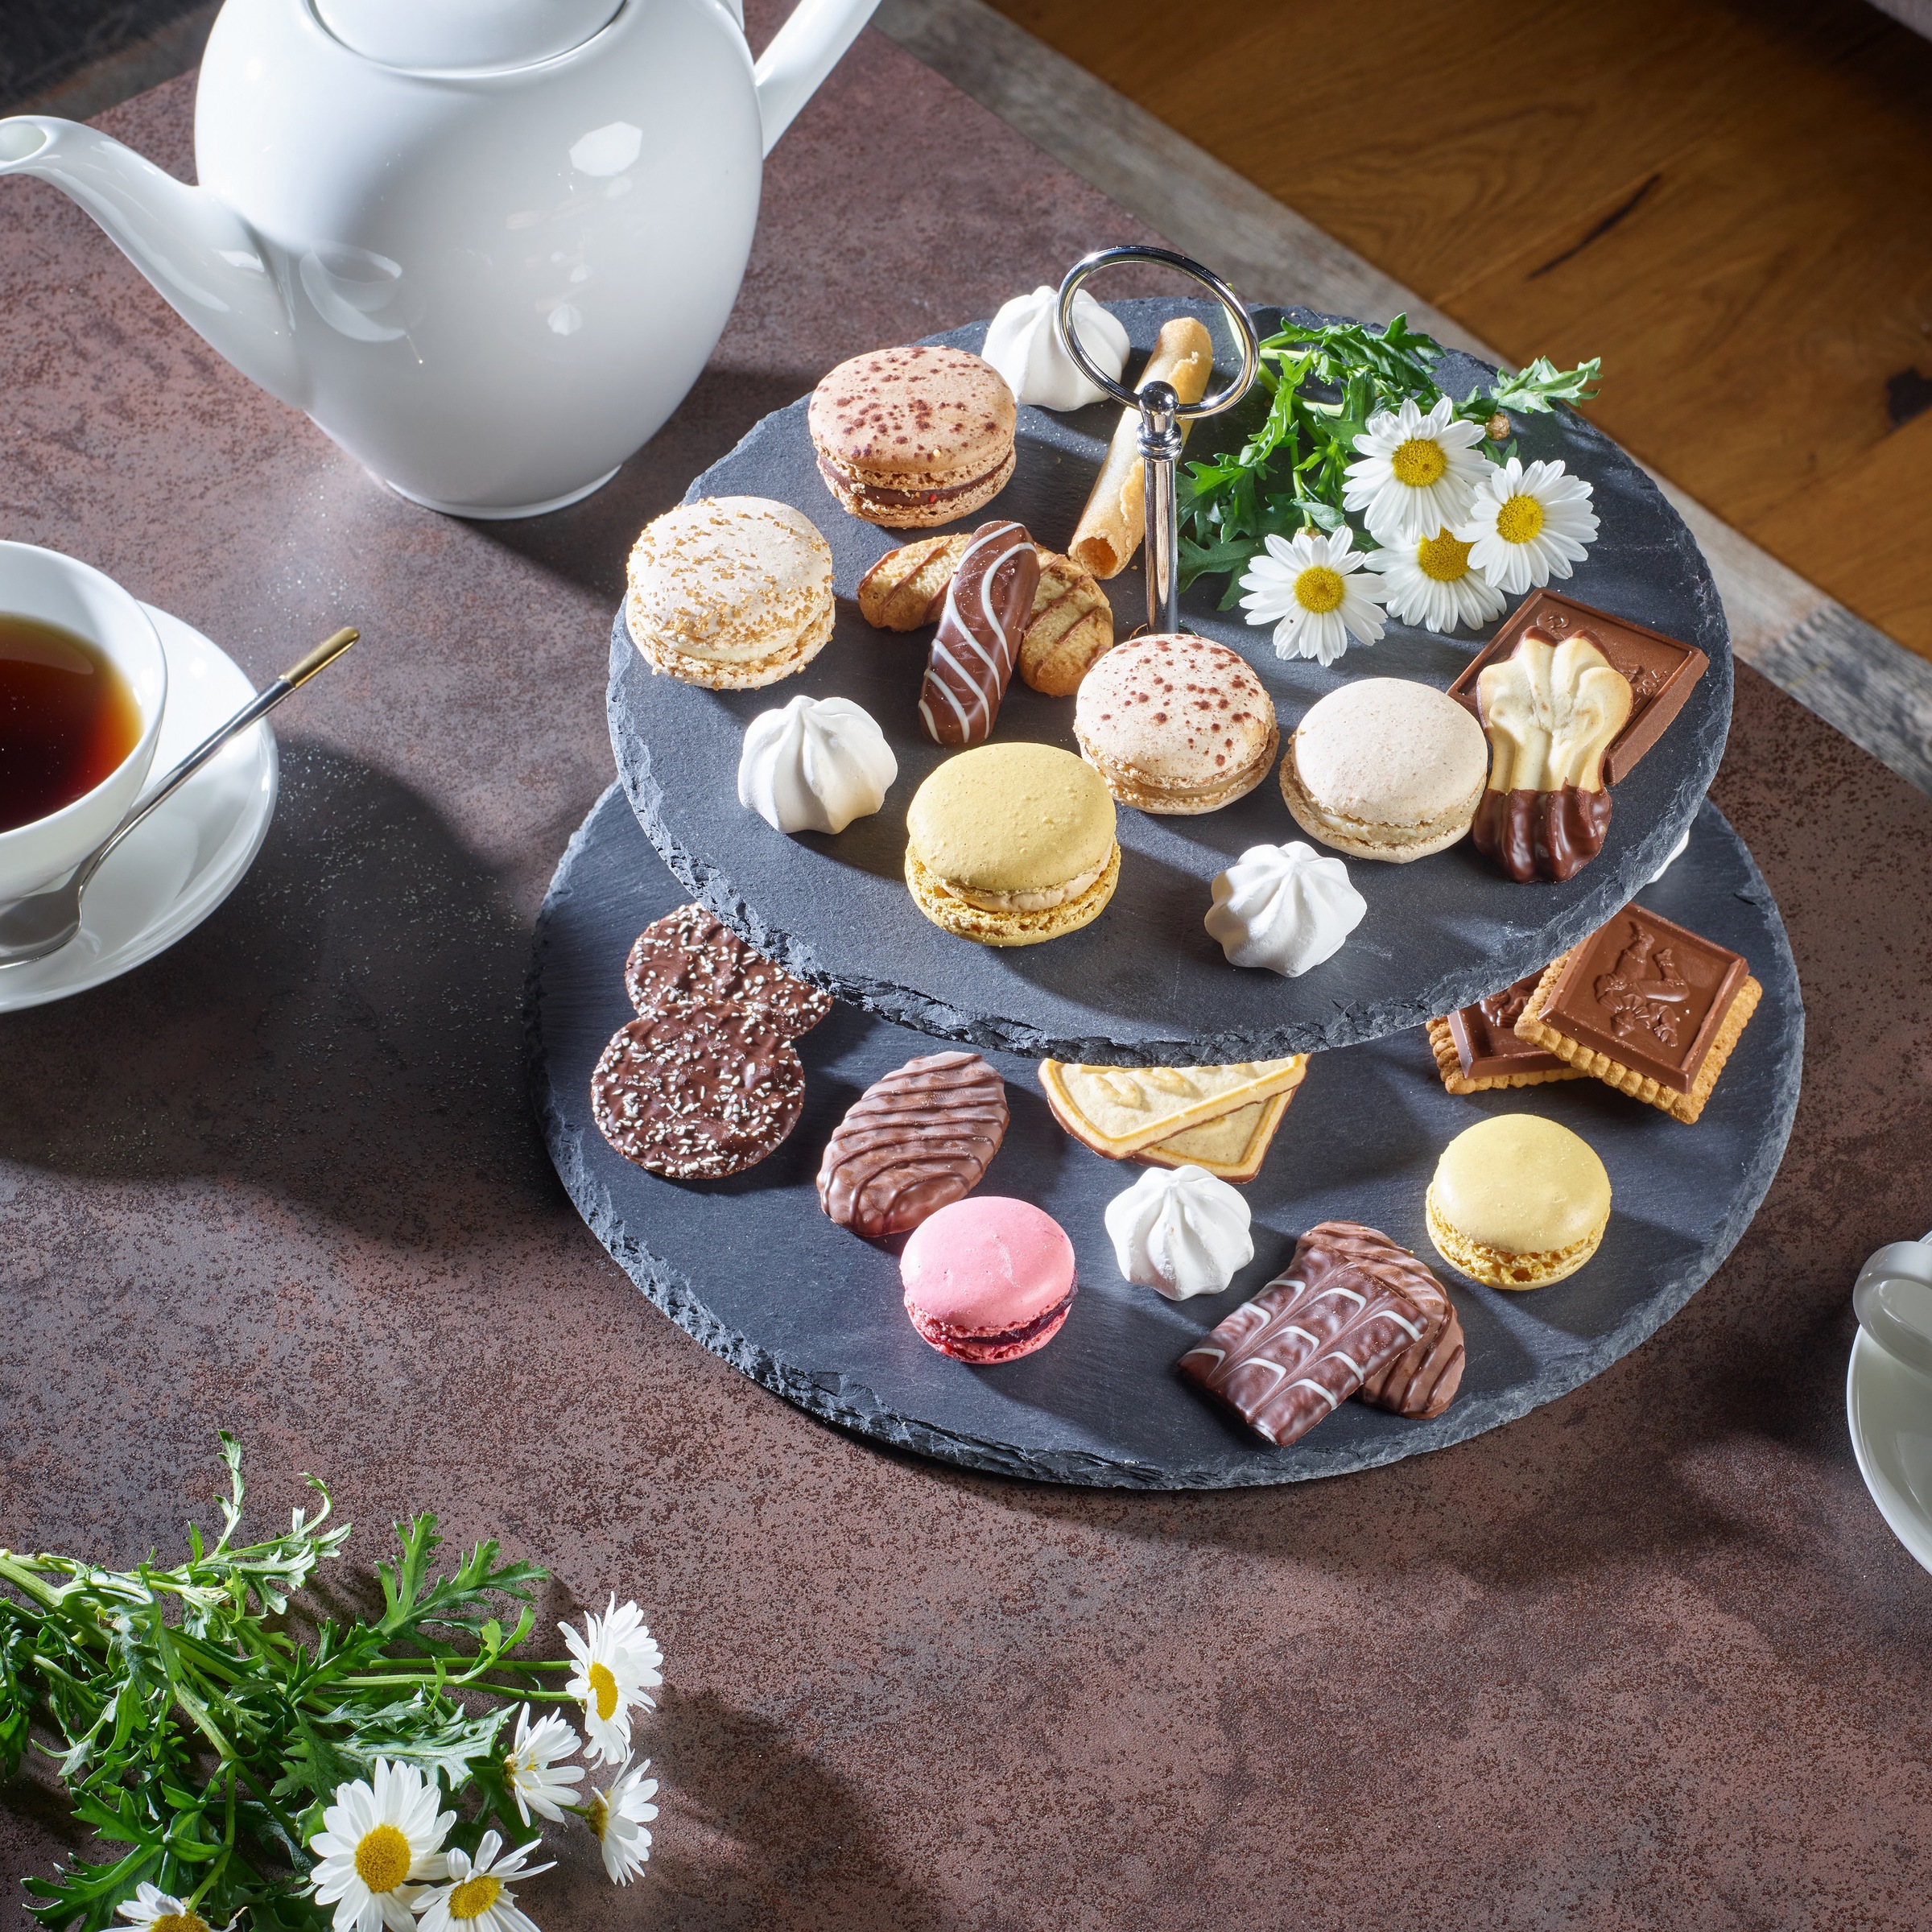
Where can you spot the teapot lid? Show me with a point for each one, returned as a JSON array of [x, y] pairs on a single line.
[[463, 36]]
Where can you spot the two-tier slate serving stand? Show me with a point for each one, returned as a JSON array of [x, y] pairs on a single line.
[[751, 1267]]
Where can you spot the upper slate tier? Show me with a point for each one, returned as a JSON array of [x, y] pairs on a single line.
[[1144, 983]]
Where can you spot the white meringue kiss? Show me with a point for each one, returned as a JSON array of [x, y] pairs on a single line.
[[816, 766], [1181, 1231], [1023, 345], [1283, 908]]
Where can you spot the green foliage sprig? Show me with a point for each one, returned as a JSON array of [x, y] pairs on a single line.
[[191, 1726], [1323, 383]]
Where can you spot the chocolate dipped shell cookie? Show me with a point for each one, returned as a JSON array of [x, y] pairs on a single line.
[[1176, 724], [911, 437], [912, 1143]]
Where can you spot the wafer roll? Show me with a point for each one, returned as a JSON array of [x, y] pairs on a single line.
[[1111, 526]]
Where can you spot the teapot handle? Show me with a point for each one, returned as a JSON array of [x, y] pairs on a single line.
[[805, 50]]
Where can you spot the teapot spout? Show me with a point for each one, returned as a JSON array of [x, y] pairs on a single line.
[[206, 262]]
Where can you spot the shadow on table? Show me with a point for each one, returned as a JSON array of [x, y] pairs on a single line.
[[344, 1033], [588, 543]]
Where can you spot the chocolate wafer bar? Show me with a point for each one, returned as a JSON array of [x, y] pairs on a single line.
[[1647, 1007], [1310, 1340]]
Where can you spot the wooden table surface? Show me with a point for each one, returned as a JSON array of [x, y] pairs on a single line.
[[1648, 1657]]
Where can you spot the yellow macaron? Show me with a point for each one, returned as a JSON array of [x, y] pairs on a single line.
[[1518, 1201], [1012, 844]]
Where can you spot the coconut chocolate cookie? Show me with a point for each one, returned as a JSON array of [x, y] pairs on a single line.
[[1176, 724], [911, 437], [913, 1141], [729, 593], [690, 963], [696, 1099]]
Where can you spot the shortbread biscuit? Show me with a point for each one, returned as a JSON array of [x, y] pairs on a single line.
[[1071, 625], [906, 588]]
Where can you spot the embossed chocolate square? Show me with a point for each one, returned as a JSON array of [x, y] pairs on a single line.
[[1647, 1006], [1660, 669]]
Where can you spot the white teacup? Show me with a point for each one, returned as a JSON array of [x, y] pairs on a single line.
[[42, 583], [1892, 1299]]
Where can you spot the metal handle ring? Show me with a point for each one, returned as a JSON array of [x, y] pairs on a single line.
[[1185, 265]]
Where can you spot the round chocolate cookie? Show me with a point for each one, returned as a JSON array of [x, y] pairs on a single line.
[[690, 963], [696, 1099]]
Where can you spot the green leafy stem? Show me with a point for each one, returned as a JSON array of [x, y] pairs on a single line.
[[191, 1724], [1324, 382]]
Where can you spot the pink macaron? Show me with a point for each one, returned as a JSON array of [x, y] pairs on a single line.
[[988, 1279]]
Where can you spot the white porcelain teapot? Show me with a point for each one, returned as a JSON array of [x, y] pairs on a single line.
[[487, 245]]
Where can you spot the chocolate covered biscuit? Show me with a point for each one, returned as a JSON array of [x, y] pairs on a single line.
[[1646, 1006], [1477, 1049], [690, 962], [1349, 1304], [912, 1143]]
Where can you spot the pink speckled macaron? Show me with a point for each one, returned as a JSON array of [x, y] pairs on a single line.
[[988, 1279]]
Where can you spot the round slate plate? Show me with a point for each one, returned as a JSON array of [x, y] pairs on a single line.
[[1144, 983], [754, 1269]]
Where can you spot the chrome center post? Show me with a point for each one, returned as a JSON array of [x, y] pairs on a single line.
[[1162, 412]]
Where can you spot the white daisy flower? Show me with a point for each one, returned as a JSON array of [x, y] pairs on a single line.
[[536, 1781], [377, 1837], [617, 1665], [621, 1817], [478, 1897], [1528, 526], [151, 1907], [1433, 584], [1305, 586], [1415, 473]]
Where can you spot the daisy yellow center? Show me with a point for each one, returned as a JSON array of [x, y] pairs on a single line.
[[1319, 588], [474, 1897], [179, 1921], [1419, 463], [604, 1691], [383, 1859], [1519, 520], [1441, 558]]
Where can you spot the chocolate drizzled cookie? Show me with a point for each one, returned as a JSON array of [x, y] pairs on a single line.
[[987, 605], [912, 1142]]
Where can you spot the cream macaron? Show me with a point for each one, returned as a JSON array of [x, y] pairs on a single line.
[[1385, 768], [909, 437], [731, 593], [1012, 845], [1176, 724], [1518, 1202]]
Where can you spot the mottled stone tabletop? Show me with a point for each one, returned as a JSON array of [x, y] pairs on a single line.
[[1646, 1657]]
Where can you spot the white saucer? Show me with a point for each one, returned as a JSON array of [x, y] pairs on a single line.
[[178, 867], [1889, 1408]]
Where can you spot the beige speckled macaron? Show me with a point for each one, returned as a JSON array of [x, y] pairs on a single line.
[[1011, 845], [1518, 1202], [1176, 724], [730, 593], [909, 437], [1385, 768]]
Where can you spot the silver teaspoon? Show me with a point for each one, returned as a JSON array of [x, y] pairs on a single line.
[[31, 929]]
